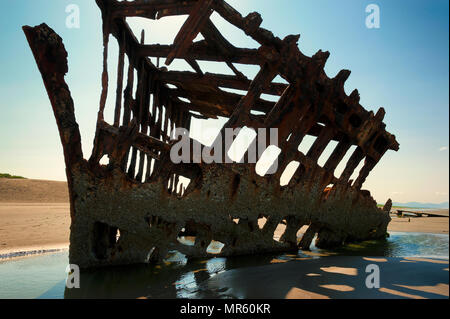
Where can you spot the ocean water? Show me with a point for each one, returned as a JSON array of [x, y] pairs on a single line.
[[44, 276]]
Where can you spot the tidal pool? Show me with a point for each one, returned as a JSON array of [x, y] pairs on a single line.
[[44, 276]]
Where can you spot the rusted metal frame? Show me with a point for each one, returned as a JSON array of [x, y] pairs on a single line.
[[369, 165], [131, 48], [179, 120], [128, 100], [285, 116], [106, 33], [222, 103], [132, 167], [356, 158], [138, 116], [98, 148], [294, 116], [155, 88], [372, 130], [241, 116], [144, 101], [202, 51], [289, 149], [155, 130], [312, 105], [194, 65], [214, 38], [157, 125], [295, 71], [275, 114], [250, 24], [287, 99], [213, 81], [141, 141], [128, 96], [184, 119], [236, 71], [247, 102], [321, 143], [174, 113], [312, 166], [355, 108], [148, 145], [51, 59], [190, 29], [274, 119], [141, 62], [204, 109], [337, 155], [175, 11], [317, 129], [369, 125], [167, 113], [159, 170], [356, 135], [328, 132], [120, 71], [152, 9], [122, 37]]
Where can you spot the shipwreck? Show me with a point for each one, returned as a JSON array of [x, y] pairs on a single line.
[[135, 210]]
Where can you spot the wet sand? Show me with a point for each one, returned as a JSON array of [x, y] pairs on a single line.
[[334, 278], [31, 227]]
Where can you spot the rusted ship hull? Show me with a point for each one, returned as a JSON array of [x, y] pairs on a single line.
[[131, 212]]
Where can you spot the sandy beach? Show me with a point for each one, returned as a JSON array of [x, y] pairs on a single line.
[[31, 227], [34, 215], [435, 225]]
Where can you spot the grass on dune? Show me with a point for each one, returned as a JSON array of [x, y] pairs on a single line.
[[4, 175]]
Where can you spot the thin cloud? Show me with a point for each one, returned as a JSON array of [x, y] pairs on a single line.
[[443, 149]]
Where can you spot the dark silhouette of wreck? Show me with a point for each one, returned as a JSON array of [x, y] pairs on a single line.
[[132, 212]]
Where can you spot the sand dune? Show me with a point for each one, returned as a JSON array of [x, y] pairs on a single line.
[[33, 191]]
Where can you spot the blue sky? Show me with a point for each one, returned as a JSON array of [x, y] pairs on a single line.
[[403, 67]]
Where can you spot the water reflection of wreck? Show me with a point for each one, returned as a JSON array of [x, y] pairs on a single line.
[[135, 209]]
